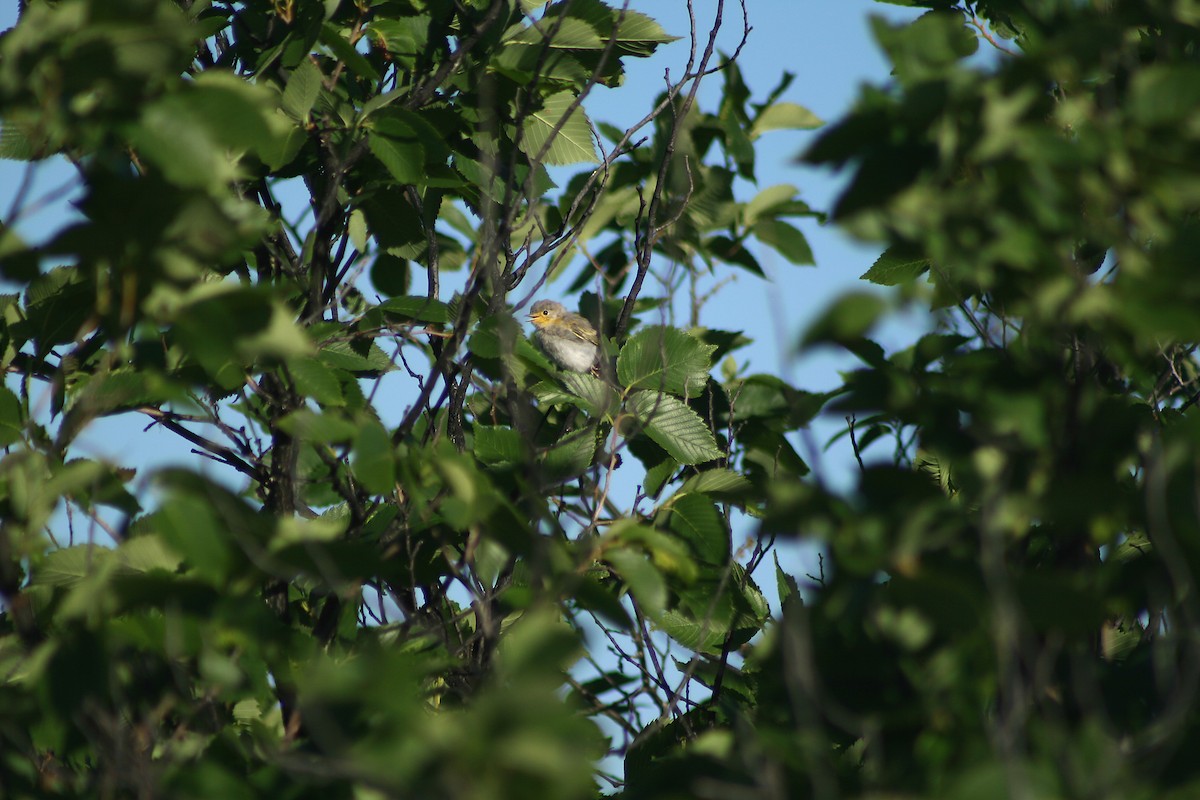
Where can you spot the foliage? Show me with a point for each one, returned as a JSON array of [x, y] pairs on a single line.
[[406, 568], [295, 217]]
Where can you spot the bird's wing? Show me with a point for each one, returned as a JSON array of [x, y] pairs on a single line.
[[585, 332]]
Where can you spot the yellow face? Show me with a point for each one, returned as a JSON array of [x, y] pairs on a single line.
[[544, 312]]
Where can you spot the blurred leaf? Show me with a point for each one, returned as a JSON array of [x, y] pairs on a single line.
[[422, 309], [12, 419], [784, 116], [850, 318], [374, 463], [785, 239], [644, 581]]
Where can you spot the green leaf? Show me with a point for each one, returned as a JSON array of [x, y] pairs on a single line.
[[16, 143], [665, 359], [590, 25], [674, 427], [422, 309], [658, 474], [190, 133], [595, 396], [785, 585], [405, 39], [210, 527], [644, 581], [720, 481], [494, 444], [636, 33], [570, 456], [896, 265], [302, 90], [67, 566], [702, 636], [57, 304], [316, 380], [374, 462], [329, 428], [784, 116], [362, 357], [344, 52], [734, 251], [569, 34], [227, 327], [12, 422], [557, 137], [404, 159], [786, 239], [1165, 94], [848, 319], [768, 200], [928, 47], [668, 554], [698, 522]]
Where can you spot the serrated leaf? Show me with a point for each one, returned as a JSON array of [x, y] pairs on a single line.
[[16, 145], [570, 456], [700, 636], [638, 34], [665, 359], [69, 565], [495, 444], [896, 265], [718, 481], [674, 427], [598, 398], [785, 584], [569, 136], [316, 380], [565, 34], [715, 607], [363, 362], [698, 522]]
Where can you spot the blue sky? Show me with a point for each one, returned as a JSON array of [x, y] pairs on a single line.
[[826, 43]]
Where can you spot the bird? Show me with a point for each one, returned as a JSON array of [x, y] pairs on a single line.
[[568, 338]]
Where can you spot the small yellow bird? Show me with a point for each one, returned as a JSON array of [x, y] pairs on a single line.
[[569, 339]]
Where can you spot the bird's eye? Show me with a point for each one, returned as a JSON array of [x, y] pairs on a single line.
[[545, 312]]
